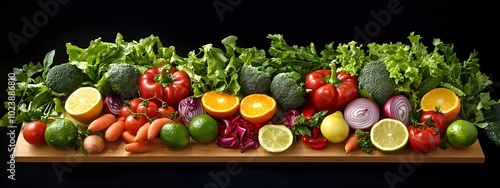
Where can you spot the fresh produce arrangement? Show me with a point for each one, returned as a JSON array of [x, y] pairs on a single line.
[[383, 97]]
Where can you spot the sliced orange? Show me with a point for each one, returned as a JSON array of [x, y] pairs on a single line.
[[220, 104], [84, 104], [447, 101], [258, 108]]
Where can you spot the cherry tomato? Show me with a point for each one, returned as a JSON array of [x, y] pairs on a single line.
[[34, 132], [147, 107], [165, 112], [124, 112], [134, 122], [434, 119], [133, 104]]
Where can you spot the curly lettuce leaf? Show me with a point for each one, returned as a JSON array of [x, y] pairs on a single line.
[[212, 68]]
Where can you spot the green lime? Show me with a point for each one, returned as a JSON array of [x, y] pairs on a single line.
[[61, 134], [203, 129], [461, 133], [174, 135]]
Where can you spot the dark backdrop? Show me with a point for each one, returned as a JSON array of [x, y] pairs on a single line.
[[470, 25]]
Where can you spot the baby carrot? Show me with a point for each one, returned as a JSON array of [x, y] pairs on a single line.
[[102, 122], [155, 127], [142, 133], [137, 147], [121, 119], [156, 140], [114, 131], [129, 137], [351, 143]]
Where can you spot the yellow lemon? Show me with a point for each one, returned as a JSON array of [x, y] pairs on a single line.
[[84, 104], [334, 128]]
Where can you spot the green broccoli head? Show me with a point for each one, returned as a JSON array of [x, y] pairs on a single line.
[[287, 91], [252, 80], [65, 78], [375, 82], [123, 80]]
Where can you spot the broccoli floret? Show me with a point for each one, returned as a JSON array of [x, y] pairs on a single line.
[[287, 91], [252, 80], [65, 78], [123, 80], [375, 82]]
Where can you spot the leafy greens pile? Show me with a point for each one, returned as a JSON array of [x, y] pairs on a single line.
[[414, 67]]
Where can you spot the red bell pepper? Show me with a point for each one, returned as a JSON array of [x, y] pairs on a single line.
[[316, 143], [329, 90], [166, 83]]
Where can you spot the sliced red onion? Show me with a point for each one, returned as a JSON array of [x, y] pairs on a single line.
[[228, 142], [112, 104], [361, 113], [189, 108], [398, 107]]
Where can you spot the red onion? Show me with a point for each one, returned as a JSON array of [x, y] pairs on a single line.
[[237, 132], [189, 108], [398, 107], [361, 113], [112, 104]]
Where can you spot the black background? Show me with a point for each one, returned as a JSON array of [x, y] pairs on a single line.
[[187, 25]]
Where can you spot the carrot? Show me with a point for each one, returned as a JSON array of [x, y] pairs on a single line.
[[102, 122], [352, 143], [114, 131], [142, 133], [155, 127], [121, 119], [129, 137], [137, 147], [156, 140]]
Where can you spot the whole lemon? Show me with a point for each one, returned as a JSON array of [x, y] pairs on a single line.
[[334, 128]]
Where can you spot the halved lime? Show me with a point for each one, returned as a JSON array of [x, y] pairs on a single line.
[[389, 135], [275, 138]]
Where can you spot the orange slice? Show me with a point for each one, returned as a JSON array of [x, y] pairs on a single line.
[[447, 101], [258, 108], [84, 104], [220, 104]]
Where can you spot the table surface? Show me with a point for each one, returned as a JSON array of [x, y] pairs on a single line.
[[195, 152]]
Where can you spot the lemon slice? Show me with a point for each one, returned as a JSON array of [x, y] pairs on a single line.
[[389, 135], [275, 138], [84, 104]]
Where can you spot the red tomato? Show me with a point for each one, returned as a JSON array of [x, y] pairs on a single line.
[[170, 113], [165, 112], [134, 122], [124, 112], [34, 132], [147, 107], [133, 104], [424, 140], [434, 119]]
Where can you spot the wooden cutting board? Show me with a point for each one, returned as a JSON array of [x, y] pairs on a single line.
[[299, 152]]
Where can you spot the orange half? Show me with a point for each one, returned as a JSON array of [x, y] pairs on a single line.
[[447, 101], [258, 108], [220, 104]]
